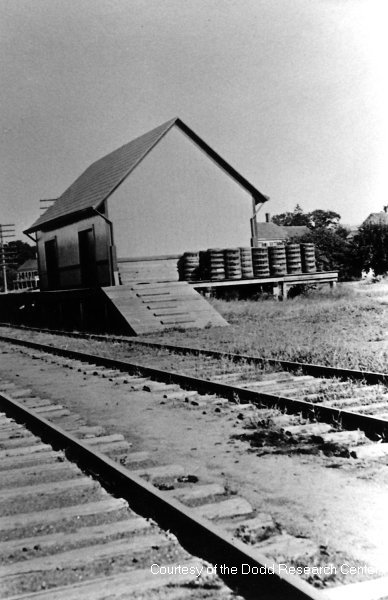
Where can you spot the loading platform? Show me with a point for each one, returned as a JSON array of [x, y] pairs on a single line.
[[140, 306], [279, 286]]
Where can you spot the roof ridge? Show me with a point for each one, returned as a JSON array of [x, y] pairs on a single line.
[[52, 212], [98, 181]]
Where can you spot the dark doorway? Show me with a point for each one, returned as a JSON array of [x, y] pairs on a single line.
[[87, 257], [50, 248]]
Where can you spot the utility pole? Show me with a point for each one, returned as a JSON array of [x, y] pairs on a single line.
[[6, 231], [46, 203]]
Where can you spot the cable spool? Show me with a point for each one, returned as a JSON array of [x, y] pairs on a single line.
[[188, 266], [260, 261], [232, 263], [277, 260], [246, 263], [216, 264], [308, 258], [294, 260]]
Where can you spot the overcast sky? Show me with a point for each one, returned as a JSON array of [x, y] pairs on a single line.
[[293, 93]]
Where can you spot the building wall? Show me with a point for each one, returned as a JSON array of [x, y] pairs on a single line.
[[261, 242], [177, 200], [68, 252]]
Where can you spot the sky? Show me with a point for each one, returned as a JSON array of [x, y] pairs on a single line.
[[293, 93]]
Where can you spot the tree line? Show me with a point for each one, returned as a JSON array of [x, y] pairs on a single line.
[[335, 249]]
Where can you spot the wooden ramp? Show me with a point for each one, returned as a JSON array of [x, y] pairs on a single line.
[[155, 306]]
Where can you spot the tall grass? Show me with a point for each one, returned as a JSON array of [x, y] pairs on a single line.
[[330, 329]]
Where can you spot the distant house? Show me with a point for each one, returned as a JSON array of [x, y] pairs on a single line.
[[377, 218], [270, 234], [27, 277], [162, 194]]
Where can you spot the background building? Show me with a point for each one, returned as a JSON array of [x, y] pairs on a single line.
[[27, 277], [270, 234]]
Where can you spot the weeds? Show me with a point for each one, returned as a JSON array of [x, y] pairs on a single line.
[[329, 329]]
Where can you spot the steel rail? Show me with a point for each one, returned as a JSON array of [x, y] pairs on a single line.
[[195, 533], [373, 426], [370, 377]]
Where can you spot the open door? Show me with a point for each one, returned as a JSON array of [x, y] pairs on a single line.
[[87, 257], [52, 269]]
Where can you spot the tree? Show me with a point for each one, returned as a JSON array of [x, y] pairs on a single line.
[[316, 219], [334, 252], [372, 247], [327, 219], [297, 217]]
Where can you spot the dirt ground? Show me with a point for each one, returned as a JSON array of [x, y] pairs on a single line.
[[336, 502]]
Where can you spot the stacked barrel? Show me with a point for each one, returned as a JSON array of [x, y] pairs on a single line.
[[246, 263], [277, 260], [232, 259], [189, 266], [233, 264], [308, 258], [260, 262], [216, 264], [294, 259]]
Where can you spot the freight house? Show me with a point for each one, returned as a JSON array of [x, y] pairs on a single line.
[[160, 195]]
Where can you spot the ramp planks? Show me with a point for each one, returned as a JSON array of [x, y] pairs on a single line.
[[151, 306]]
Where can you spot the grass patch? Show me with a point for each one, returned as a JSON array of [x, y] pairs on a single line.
[[328, 329]]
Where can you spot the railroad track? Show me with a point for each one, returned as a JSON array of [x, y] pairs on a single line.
[[60, 529], [287, 365], [268, 542], [343, 399]]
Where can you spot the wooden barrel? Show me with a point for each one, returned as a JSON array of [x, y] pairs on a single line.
[[294, 259], [260, 262], [246, 263], [308, 258], [232, 263], [277, 260], [188, 266], [216, 264]]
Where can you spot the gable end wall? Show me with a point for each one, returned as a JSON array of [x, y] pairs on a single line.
[[176, 200]]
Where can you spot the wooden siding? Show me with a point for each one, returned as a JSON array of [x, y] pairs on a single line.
[[152, 269], [68, 252], [177, 200]]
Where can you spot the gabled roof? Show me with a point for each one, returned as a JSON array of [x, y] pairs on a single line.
[[31, 264], [380, 218], [271, 231], [100, 180], [295, 230]]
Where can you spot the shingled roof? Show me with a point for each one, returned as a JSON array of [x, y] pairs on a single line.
[[100, 180], [31, 264], [380, 218], [271, 231]]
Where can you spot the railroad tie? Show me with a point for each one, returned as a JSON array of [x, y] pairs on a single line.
[[55, 516], [285, 547], [232, 507]]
